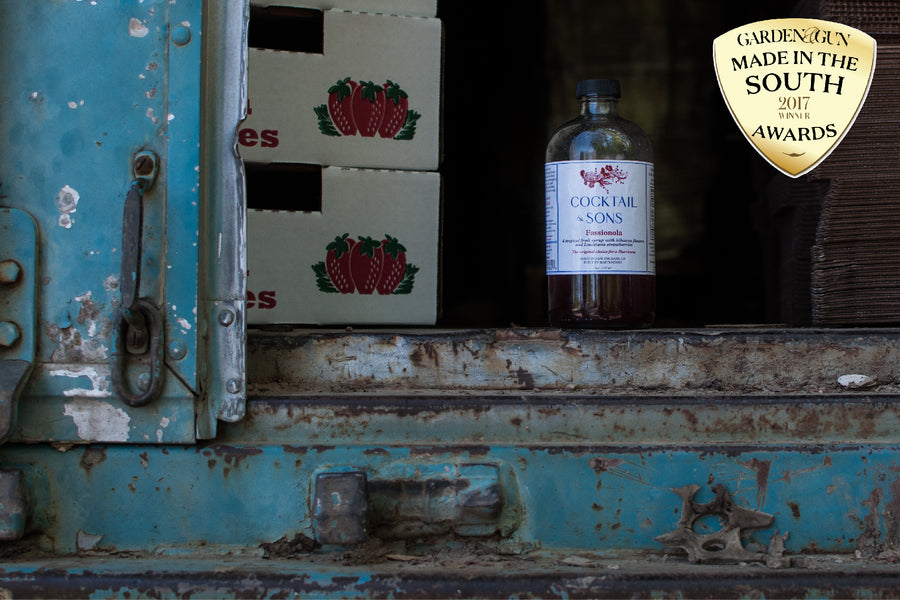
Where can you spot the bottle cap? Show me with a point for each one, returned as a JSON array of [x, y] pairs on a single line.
[[598, 87]]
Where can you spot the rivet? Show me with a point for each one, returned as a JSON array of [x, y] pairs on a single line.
[[226, 317], [10, 271], [181, 36], [233, 386], [143, 382], [177, 350], [9, 334]]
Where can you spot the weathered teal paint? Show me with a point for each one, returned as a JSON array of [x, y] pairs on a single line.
[[591, 498], [87, 86]]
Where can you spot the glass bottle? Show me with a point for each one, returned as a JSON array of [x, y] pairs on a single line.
[[601, 258]]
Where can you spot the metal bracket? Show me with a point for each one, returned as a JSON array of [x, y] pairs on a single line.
[[223, 258], [18, 293]]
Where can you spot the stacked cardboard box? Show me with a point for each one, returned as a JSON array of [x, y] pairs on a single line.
[[878, 18], [832, 234], [342, 147], [789, 215], [856, 257]]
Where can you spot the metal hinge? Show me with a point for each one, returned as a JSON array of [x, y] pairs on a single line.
[[18, 291]]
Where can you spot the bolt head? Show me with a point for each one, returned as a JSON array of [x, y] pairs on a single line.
[[9, 334], [10, 272]]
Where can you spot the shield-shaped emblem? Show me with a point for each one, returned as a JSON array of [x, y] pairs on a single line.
[[794, 86]]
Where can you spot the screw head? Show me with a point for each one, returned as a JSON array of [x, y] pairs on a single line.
[[143, 165], [226, 317], [233, 386], [177, 350]]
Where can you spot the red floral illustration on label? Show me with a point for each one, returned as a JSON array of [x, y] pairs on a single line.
[[603, 177], [365, 265], [366, 108]]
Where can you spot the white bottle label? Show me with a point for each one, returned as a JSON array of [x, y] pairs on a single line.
[[599, 216]]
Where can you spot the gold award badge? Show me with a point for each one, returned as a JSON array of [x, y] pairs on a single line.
[[794, 86]]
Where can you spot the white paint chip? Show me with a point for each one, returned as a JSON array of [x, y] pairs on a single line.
[[87, 541], [98, 421], [856, 380], [137, 29], [99, 382], [67, 199], [67, 202]]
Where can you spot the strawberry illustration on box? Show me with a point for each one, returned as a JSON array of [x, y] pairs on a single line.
[[367, 109], [365, 265]]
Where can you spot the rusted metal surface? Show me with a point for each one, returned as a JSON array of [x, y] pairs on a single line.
[[434, 576], [555, 498], [659, 362], [534, 419], [585, 472]]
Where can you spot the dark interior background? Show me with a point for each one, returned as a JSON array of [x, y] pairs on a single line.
[[509, 80]]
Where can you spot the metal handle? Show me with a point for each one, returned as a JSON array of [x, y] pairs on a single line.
[[132, 226], [122, 332], [138, 329]]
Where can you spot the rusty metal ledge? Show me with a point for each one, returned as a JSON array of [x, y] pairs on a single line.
[[534, 419], [224, 577], [669, 363]]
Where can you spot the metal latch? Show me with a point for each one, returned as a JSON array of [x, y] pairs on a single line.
[[18, 291], [404, 501], [138, 327], [340, 507]]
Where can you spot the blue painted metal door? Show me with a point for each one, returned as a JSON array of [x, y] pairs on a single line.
[[101, 135]]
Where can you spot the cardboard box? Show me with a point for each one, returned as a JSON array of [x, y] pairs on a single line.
[[308, 268], [412, 8], [317, 108]]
